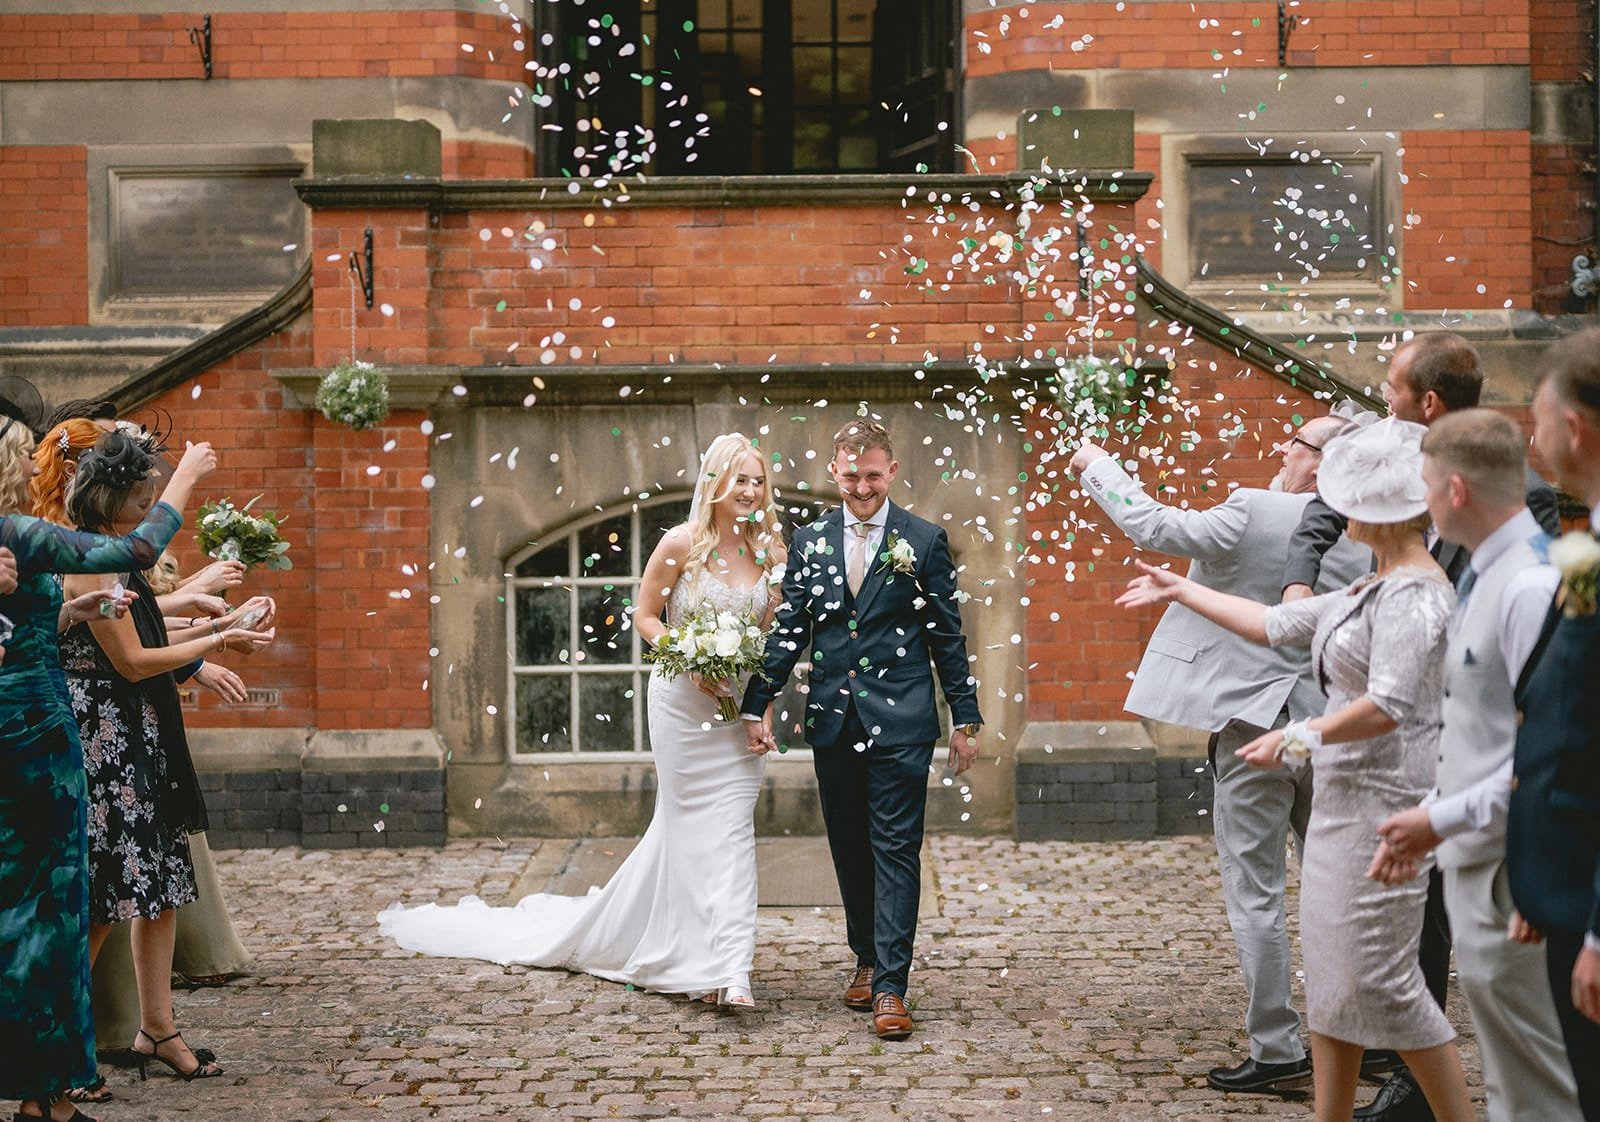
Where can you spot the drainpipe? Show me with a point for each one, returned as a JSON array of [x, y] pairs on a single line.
[[1586, 271]]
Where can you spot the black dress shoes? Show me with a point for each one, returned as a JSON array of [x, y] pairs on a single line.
[[1252, 1076], [1399, 1100]]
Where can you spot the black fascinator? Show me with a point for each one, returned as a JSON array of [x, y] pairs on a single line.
[[20, 404], [116, 458]]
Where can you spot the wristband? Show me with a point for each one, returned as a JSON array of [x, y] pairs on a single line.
[[1299, 741]]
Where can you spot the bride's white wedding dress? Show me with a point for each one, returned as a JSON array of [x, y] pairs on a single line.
[[679, 916]]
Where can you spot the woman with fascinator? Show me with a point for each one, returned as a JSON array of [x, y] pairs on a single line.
[[44, 920], [1377, 648], [144, 798], [679, 916]]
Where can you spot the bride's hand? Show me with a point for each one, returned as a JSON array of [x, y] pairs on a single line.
[[712, 687]]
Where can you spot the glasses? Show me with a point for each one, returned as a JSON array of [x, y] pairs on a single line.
[[1305, 443]]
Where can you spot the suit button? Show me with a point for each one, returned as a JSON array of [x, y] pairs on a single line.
[[1519, 718], [1515, 782], [850, 674]]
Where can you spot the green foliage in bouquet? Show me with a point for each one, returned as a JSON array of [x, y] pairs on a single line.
[[230, 533], [355, 394], [716, 645]]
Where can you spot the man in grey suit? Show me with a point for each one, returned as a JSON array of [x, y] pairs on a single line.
[[1474, 465], [1195, 673]]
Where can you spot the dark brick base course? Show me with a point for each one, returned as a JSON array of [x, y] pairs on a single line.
[[324, 809], [1121, 796]]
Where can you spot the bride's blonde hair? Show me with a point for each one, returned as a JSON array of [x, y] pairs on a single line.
[[719, 471]]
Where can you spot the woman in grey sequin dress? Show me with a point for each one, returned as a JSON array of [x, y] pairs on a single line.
[[1377, 650]]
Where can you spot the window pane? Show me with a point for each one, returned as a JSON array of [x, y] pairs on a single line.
[[543, 621], [813, 141], [605, 706], [855, 75], [544, 710], [747, 15], [855, 21], [657, 520], [858, 142], [604, 631], [813, 21], [603, 549], [813, 76], [551, 562]]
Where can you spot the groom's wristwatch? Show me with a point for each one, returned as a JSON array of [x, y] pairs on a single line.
[[969, 730]]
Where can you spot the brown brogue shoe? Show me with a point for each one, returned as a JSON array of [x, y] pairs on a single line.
[[859, 993], [890, 1018]]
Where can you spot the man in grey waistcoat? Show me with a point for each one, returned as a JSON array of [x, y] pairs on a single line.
[[1195, 673], [1474, 466]]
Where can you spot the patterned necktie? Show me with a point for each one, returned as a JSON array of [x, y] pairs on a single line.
[[855, 557]]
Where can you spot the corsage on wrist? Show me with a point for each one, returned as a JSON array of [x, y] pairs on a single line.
[[1299, 741]]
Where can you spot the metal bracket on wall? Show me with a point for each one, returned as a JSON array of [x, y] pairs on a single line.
[[364, 275], [1585, 278], [201, 37], [1286, 25]]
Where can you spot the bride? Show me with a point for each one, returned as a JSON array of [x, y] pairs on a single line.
[[679, 916]]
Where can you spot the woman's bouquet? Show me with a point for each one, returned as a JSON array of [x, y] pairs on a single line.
[[230, 533], [355, 394], [715, 645]]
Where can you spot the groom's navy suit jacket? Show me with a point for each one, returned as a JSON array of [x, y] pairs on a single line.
[[872, 650]]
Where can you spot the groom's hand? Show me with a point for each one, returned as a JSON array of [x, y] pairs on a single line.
[[758, 735], [963, 751]]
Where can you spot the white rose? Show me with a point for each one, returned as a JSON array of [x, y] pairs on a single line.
[[727, 644], [707, 644]]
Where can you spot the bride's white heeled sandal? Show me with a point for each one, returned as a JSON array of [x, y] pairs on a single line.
[[737, 998]]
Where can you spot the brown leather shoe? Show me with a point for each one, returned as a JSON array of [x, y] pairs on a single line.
[[859, 993], [890, 1018]]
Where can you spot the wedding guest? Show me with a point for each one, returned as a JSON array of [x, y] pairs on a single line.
[[1553, 833], [1197, 674], [1377, 649], [1428, 377], [1474, 466], [143, 795], [44, 977]]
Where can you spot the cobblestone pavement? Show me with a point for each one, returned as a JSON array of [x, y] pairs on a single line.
[[1057, 981]]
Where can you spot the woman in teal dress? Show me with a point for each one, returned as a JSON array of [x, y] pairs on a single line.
[[46, 1030]]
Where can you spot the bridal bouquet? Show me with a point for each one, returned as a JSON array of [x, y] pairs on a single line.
[[230, 533], [716, 645]]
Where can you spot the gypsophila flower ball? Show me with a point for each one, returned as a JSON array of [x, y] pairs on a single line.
[[354, 394]]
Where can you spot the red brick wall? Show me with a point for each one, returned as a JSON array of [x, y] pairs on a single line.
[[351, 651], [377, 44], [1472, 192], [1178, 36], [44, 237]]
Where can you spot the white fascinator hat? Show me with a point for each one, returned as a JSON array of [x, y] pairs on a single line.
[[1374, 474]]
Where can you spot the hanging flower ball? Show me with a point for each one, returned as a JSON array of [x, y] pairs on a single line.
[[354, 394]]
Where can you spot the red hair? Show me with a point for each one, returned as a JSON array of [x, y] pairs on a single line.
[[60, 446]]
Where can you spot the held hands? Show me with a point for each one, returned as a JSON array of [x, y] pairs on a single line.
[[1386, 868], [758, 738], [1409, 834], [8, 571], [1084, 456], [963, 751], [1156, 586], [1521, 931]]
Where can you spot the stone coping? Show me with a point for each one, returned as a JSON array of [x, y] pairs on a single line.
[[372, 192]]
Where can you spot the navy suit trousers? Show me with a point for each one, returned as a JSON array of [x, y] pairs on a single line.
[[873, 802], [1582, 1035]]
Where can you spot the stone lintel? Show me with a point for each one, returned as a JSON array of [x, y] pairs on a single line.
[[410, 387], [374, 750], [1063, 742], [375, 147], [253, 750]]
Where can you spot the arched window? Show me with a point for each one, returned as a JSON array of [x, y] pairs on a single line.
[[576, 682]]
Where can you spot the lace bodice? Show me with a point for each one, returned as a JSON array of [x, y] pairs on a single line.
[[697, 588]]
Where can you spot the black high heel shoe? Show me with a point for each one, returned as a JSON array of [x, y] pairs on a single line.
[[205, 1066], [44, 1114]]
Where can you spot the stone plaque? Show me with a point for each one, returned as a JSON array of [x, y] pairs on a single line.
[[199, 233], [1254, 218]]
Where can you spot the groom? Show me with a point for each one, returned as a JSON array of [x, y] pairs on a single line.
[[871, 590]]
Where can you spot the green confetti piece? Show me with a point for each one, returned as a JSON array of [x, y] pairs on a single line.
[[383, 808], [500, 307], [688, 25]]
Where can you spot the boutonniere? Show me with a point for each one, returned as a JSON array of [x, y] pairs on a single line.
[[1577, 556], [898, 554]]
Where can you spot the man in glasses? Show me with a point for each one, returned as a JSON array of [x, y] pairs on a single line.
[[1194, 673]]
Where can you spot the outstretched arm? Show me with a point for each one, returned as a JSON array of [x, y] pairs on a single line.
[[1159, 586], [1202, 534]]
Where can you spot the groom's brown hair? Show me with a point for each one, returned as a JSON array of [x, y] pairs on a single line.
[[858, 436]]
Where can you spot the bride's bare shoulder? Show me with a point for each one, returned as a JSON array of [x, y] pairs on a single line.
[[674, 544]]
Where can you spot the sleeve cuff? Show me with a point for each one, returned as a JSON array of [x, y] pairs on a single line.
[[1591, 942], [1448, 817]]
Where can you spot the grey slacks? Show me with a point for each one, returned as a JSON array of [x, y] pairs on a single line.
[[1254, 811], [1525, 1066]]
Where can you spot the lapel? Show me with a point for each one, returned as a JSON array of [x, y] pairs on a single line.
[[877, 570], [831, 538]]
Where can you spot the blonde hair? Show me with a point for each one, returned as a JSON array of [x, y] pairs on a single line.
[[719, 469], [15, 444], [164, 577], [49, 487], [1388, 534]]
